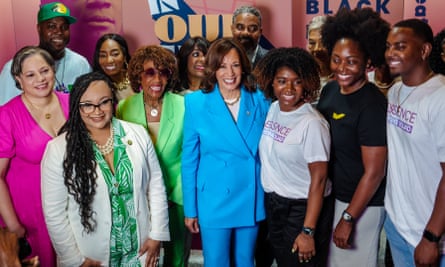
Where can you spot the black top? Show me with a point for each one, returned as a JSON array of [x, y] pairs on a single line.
[[356, 119]]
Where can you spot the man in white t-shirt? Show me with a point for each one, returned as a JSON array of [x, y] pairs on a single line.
[[53, 26], [415, 190]]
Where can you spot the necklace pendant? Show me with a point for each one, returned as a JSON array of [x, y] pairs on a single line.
[[47, 116], [154, 112]]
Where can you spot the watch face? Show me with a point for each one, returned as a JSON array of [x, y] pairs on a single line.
[[347, 217], [308, 231]]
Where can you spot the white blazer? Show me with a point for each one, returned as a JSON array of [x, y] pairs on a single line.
[[71, 243]]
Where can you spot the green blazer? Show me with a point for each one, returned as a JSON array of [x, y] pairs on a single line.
[[169, 141]]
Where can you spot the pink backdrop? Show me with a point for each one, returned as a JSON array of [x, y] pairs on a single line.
[[284, 24]]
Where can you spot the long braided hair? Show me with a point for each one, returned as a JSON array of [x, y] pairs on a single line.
[[79, 164]]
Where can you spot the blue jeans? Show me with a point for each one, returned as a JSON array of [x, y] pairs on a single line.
[[402, 252]]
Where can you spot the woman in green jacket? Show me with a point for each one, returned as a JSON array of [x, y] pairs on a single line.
[[152, 71]]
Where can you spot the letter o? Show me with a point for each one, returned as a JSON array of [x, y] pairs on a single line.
[[162, 28]]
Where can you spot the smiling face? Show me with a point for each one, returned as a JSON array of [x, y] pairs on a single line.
[[98, 93], [288, 89], [403, 52], [195, 64], [348, 64], [246, 29], [112, 59], [153, 80], [37, 77], [229, 72], [54, 35]]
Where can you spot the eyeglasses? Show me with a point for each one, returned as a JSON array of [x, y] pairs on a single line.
[[151, 72], [104, 105]]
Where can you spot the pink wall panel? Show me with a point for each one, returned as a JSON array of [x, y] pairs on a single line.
[[144, 21]]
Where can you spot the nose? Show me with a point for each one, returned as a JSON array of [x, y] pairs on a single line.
[[110, 59], [230, 70], [318, 46], [40, 77]]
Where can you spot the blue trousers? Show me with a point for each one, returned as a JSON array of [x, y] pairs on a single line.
[[218, 244]]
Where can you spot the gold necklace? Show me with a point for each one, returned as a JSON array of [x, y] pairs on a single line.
[[120, 86], [109, 145], [47, 114]]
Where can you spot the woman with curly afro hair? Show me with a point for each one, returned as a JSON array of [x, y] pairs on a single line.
[[152, 71], [294, 152], [356, 112]]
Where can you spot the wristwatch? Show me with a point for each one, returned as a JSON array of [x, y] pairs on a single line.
[[430, 236], [308, 231], [347, 217]]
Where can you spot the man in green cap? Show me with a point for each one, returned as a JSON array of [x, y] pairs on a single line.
[[53, 27]]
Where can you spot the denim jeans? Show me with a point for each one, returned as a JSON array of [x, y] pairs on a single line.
[[402, 252]]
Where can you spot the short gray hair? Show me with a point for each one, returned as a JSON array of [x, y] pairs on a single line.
[[24, 53], [316, 23], [247, 9]]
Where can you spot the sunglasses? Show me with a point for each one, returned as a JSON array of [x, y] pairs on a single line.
[[151, 72]]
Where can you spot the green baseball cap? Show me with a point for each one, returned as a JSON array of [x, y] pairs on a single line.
[[54, 10]]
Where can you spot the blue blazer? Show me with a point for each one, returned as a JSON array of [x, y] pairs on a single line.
[[220, 163]]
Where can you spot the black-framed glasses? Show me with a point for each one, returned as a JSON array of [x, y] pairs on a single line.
[[151, 72], [104, 105]]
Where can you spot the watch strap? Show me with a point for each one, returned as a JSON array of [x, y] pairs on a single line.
[[308, 231], [430, 236]]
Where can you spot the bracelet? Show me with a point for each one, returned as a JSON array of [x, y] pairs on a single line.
[[430, 236]]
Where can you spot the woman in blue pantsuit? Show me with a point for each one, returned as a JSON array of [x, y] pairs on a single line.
[[223, 197]]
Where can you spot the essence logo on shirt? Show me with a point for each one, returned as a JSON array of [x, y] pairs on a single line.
[[401, 117], [337, 116], [275, 130]]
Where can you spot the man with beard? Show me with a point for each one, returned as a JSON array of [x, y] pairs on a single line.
[[246, 29], [53, 26]]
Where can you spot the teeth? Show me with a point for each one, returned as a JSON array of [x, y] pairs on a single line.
[[343, 76], [393, 62], [59, 41], [288, 97], [229, 80], [156, 88], [110, 67]]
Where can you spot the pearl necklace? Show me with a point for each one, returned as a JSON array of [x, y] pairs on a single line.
[[232, 101], [109, 145]]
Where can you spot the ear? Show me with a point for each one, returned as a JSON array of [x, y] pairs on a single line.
[[426, 51], [368, 65], [442, 56], [19, 80]]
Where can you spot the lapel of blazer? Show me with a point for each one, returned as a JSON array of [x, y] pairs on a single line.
[[246, 118], [234, 133], [167, 123], [134, 150]]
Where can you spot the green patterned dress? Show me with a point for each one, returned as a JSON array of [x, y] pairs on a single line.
[[124, 238]]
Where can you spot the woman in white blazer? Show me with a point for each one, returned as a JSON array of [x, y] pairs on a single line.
[[103, 194]]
